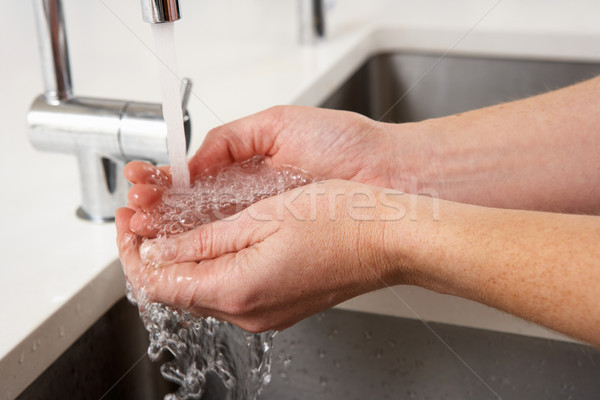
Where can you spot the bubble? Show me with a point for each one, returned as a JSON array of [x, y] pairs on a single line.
[[213, 197]]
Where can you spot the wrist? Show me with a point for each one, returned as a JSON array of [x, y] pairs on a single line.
[[419, 151], [414, 241], [391, 242]]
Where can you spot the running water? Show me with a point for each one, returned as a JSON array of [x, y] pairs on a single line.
[[205, 347], [172, 111]]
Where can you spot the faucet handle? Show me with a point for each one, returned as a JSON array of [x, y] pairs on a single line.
[[186, 89], [312, 20]]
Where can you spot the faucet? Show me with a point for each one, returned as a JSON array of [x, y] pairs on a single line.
[[103, 134], [312, 20], [159, 11]]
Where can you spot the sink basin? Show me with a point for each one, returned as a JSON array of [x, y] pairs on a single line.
[[340, 355], [352, 355], [108, 360], [413, 87]]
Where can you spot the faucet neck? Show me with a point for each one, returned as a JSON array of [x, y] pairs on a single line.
[[54, 51]]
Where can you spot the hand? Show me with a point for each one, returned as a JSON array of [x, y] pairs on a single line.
[[277, 262], [325, 143], [149, 184]]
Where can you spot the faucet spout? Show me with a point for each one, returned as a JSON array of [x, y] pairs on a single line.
[[159, 11]]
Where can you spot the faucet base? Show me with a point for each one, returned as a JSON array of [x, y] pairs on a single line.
[[92, 218], [104, 135]]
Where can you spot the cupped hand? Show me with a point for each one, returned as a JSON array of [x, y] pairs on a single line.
[[278, 261], [328, 144]]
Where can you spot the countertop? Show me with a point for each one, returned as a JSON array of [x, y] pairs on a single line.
[[59, 274]]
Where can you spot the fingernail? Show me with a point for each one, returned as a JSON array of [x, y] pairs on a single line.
[[158, 250]]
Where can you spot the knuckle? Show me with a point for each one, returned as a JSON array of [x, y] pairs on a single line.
[[236, 306], [276, 114], [202, 241], [244, 303], [214, 132]]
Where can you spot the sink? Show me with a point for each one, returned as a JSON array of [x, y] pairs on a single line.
[[412, 87], [350, 355], [94, 365], [341, 354]]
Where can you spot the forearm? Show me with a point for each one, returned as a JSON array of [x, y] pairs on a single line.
[[540, 266], [540, 153]]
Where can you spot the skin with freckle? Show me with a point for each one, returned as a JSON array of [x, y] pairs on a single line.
[[504, 210]]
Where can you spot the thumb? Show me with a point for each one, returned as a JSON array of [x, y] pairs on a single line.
[[209, 241], [237, 141]]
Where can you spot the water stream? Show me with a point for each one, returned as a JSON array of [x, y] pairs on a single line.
[[204, 349], [164, 40]]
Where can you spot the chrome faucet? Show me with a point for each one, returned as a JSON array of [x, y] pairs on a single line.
[[312, 20], [158, 11], [103, 134]]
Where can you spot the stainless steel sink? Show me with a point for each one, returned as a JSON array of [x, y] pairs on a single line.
[[351, 355], [413, 87], [340, 355]]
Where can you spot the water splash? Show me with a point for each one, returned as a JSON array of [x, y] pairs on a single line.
[[203, 346]]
